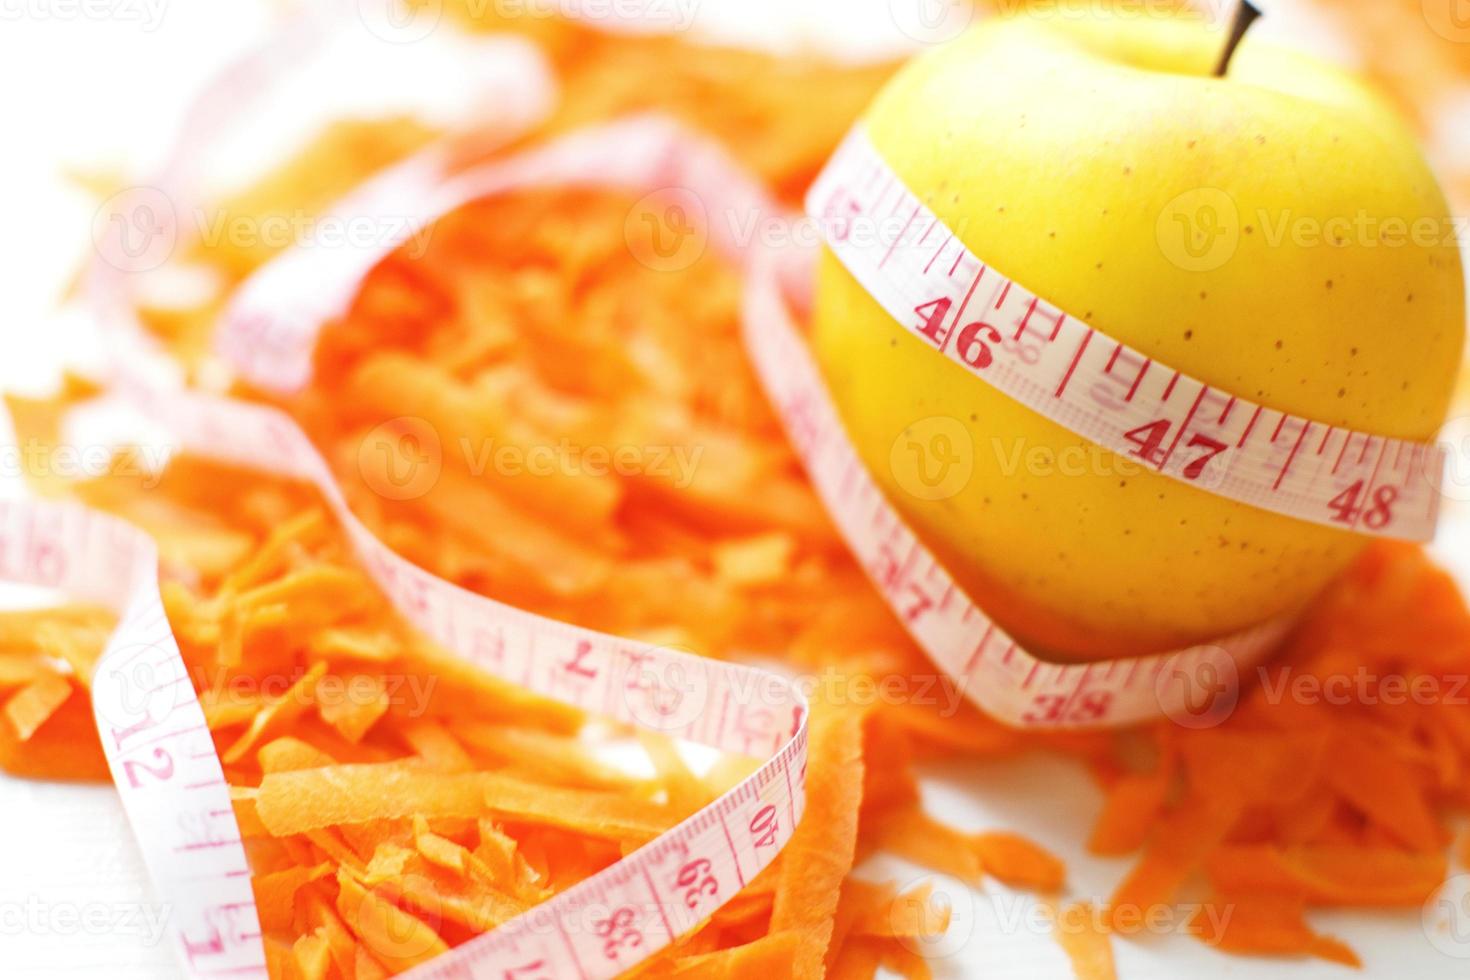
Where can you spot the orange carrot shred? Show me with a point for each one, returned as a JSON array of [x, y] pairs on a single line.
[[1016, 861], [1090, 949], [769, 956], [820, 853], [392, 936], [30, 707]]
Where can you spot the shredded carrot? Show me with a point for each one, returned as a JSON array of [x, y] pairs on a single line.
[[1266, 925], [393, 937], [1328, 874], [30, 707], [1076, 928], [770, 956], [397, 801], [1017, 861], [820, 853], [912, 833], [1179, 847], [1133, 805]]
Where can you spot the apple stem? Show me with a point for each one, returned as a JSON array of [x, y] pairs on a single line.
[[1245, 15]]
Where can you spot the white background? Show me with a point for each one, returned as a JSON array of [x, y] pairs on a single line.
[[99, 87]]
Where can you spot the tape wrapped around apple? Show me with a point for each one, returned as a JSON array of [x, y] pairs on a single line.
[[1274, 232]]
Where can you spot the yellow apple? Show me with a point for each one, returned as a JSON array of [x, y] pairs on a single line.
[[1275, 233]]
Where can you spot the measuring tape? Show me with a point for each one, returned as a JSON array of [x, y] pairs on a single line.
[[163, 759], [152, 728], [1102, 389], [268, 334], [729, 707], [270, 328]]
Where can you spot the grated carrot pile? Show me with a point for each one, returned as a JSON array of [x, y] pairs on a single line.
[[1331, 782], [397, 802]]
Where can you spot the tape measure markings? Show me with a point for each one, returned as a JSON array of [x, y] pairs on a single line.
[[626, 679], [166, 779], [1106, 391], [995, 672], [741, 832]]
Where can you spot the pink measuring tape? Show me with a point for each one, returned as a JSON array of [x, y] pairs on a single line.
[[161, 753], [1103, 390], [162, 758], [605, 924]]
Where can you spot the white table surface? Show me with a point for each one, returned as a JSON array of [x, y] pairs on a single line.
[[106, 92]]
